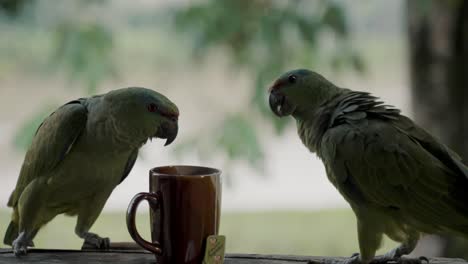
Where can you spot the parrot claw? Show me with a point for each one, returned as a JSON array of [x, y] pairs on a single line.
[[423, 258], [354, 259], [93, 241], [21, 243], [400, 260], [20, 248]]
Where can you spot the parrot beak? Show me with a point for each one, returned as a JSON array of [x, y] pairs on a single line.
[[280, 105], [168, 130]]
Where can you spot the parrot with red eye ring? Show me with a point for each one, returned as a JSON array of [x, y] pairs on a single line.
[[398, 179], [79, 154]]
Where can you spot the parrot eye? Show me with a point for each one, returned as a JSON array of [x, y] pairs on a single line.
[[292, 78], [152, 107]]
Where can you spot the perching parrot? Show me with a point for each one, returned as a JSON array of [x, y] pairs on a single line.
[[398, 179], [79, 154]]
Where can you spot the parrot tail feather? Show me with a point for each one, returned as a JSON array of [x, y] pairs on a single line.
[[11, 233]]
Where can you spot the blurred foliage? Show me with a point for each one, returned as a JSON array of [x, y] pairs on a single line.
[[85, 52], [12, 7], [84, 48], [265, 37], [234, 135], [239, 138], [262, 38]]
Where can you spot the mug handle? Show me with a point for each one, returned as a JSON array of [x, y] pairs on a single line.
[[154, 201]]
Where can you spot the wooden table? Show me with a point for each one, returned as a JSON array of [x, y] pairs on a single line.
[[43, 256]]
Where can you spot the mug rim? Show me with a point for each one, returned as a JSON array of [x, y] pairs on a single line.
[[213, 172]]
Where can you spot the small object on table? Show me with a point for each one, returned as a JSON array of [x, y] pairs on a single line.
[[214, 250]]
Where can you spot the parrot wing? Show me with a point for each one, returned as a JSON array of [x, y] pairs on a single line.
[[52, 142], [129, 166], [439, 150], [387, 162]]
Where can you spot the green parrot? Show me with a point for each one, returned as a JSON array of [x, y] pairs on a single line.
[[79, 154], [398, 179]]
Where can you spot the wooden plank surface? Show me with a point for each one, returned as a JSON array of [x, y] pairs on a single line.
[[43, 256]]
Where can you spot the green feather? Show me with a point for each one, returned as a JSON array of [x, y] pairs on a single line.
[[391, 171], [80, 153]]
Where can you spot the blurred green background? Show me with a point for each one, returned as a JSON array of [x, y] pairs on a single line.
[[324, 233], [215, 59]]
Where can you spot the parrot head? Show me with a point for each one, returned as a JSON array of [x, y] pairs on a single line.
[[297, 91], [142, 114]]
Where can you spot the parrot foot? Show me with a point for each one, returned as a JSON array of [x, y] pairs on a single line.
[[93, 241], [385, 259], [399, 260], [20, 244], [395, 255], [354, 259]]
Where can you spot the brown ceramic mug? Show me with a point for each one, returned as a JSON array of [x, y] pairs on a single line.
[[185, 207]]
